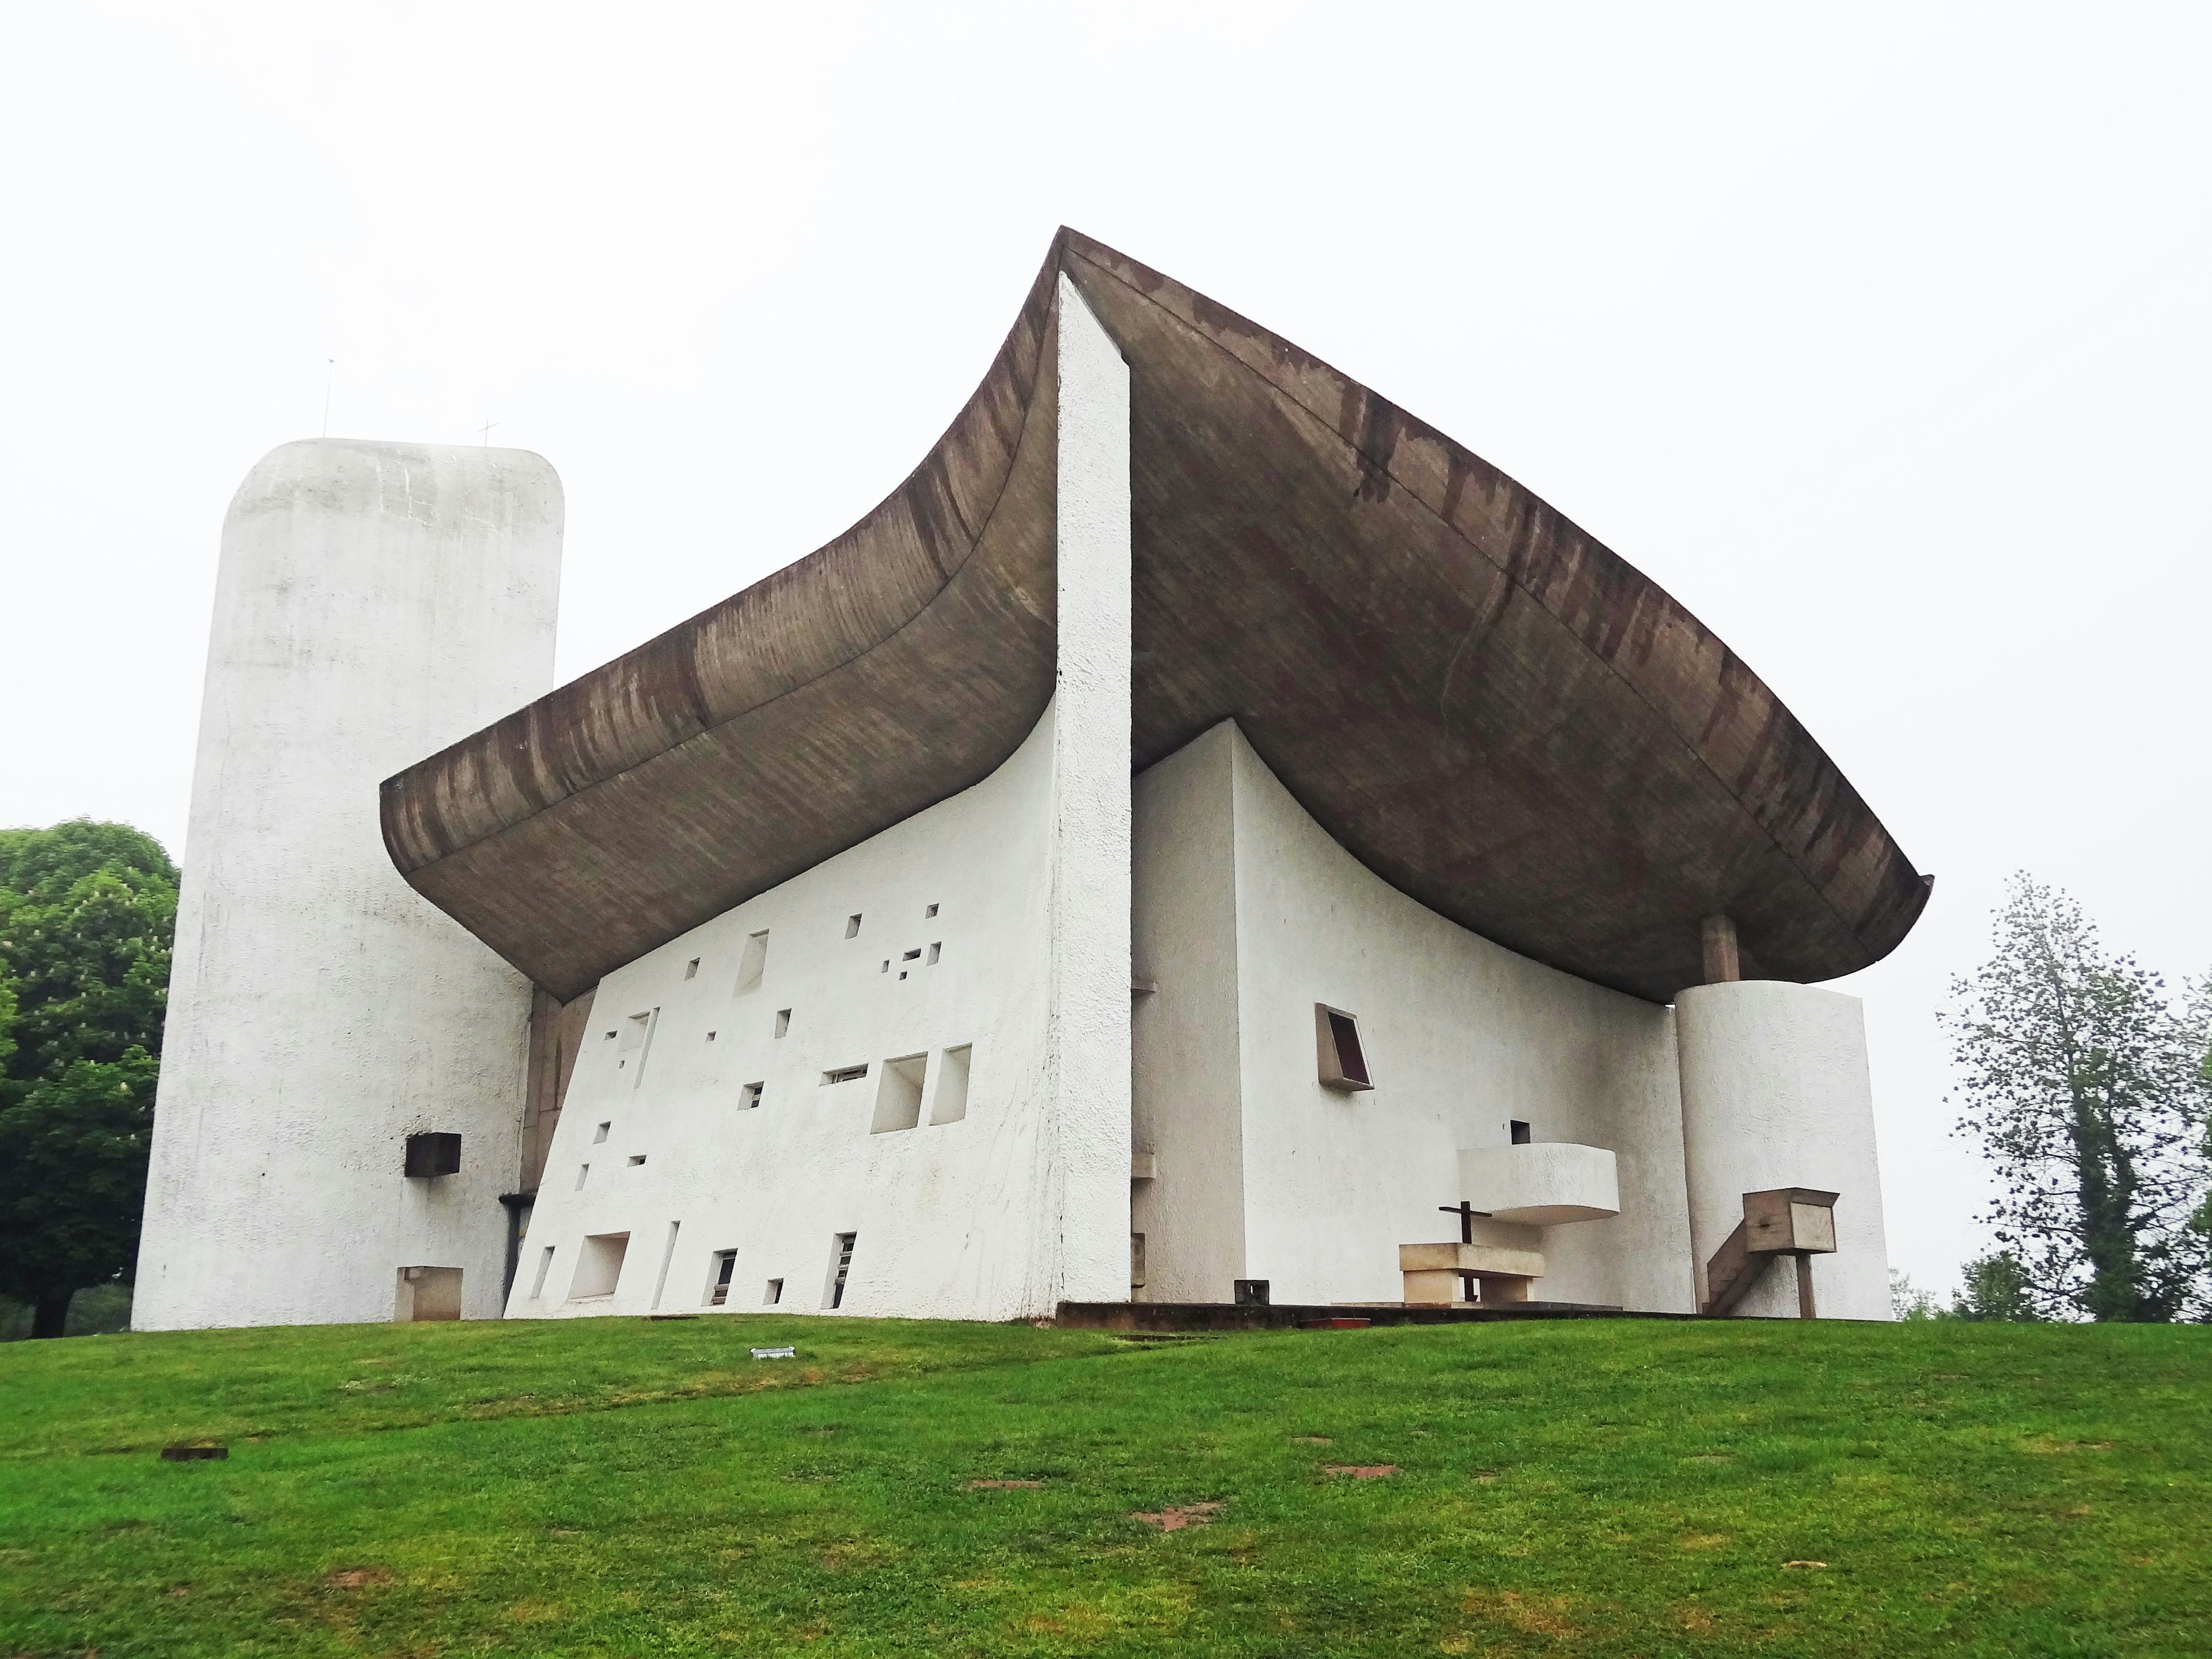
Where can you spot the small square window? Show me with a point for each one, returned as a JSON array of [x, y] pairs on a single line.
[[710, 1036], [432, 1155], [601, 1133], [691, 969], [774, 1293], [636, 1158], [853, 926], [930, 913], [934, 951], [1518, 1131], [750, 1096], [1343, 1060]]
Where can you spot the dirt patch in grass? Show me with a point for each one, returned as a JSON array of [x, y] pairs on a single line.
[[1176, 1517], [1004, 1485], [353, 1578], [1362, 1471]]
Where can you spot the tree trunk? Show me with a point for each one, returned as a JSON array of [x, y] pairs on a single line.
[[49, 1314]]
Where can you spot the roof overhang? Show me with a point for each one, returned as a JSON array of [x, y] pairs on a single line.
[[1492, 711]]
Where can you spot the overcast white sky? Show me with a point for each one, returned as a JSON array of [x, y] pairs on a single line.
[[1877, 335]]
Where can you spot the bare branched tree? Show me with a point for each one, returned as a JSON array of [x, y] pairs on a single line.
[[2085, 1081]]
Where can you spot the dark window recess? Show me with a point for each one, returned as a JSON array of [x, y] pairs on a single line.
[[1343, 1060], [691, 969], [774, 1293], [726, 1263], [1251, 1293], [841, 1265], [930, 912], [434, 1155], [852, 927], [1518, 1130], [912, 955], [845, 1074], [751, 1096]]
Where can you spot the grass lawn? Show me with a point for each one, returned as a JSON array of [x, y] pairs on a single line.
[[616, 1487]]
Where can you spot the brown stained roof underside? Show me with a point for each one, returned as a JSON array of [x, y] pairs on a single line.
[[1490, 710]]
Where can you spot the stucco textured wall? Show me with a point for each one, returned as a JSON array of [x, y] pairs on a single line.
[[1775, 1093], [1462, 1036], [374, 603], [946, 1213]]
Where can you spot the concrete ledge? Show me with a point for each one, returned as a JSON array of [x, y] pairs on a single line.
[[1541, 1185], [1173, 1316]]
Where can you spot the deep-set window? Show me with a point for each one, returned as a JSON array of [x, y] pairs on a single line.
[[1343, 1060]]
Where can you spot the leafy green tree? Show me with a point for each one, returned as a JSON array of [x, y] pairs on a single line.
[[87, 914], [2085, 1082], [1995, 1292]]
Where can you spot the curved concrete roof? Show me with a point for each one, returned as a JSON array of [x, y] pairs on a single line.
[[1492, 711]]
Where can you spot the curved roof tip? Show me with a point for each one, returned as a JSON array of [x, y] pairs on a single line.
[[1487, 706]]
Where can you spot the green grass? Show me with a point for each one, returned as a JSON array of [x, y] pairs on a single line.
[[614, 1486]]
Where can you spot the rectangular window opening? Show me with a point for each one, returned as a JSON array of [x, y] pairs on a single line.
[[853, 926], [710, 1036], [545, 1266], [1343, 1060], [898, 1094], [636, 1043], [774, 1293], [750, 1096], [583, 1174], [934, 951], [667, 1256], [841, 1265], [1518, 1131], [928, 913], [949, 1104], [636, 1158], [913, 955], [691, 969], [782, 1021], [753, 964], [601, 1133], [886, 968], [845, 1074], [598, 1266], [725, 1265]]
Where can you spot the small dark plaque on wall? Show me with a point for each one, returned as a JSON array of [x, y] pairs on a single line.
[[434, 1155]]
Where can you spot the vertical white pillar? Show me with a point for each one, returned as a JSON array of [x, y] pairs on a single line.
[[1087, 1091], [1775, 1093], [374, 603]]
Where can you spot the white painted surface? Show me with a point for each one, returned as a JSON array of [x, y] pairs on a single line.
[[1543, 1184], [1087, 1058], [1188, 1076], [1461, 1037], [946, 1213], [375, 602], [1775, 1093]]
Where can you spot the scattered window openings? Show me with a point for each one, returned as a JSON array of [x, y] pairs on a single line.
[[718, 1287], [934, 951], [950, 1102], [433, 1155], [545, 1266], [636, 1158], [710, 1036], [841, 1264], [750, 1096], [429, 1293], [636, 1043], [1136, 1262], [1343, 1062], [611, 1037], [601, 1133], [902, 973], [845, 1074], [753, 963], [691, 969], [886, 968], [583, 1174], [911, 955], [1518, 1130], [598, 1266], [928, 913], [774, 1293], [853, 926], [667, 1256], [782, 1021], [898, 1094]]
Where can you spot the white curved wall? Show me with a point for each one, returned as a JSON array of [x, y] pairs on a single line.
[[1775, 1093], [375, 602]]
